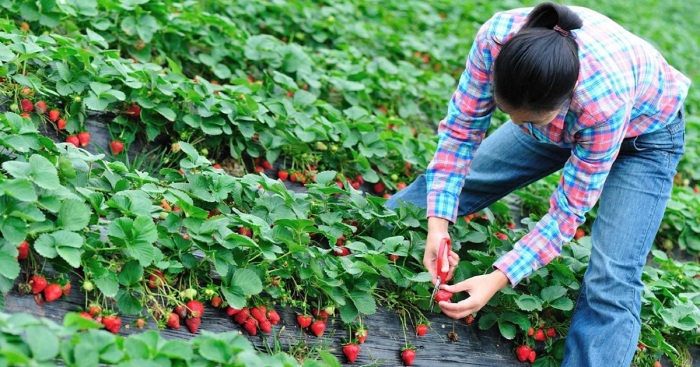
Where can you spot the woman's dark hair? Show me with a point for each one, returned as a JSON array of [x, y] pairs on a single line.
[[537, 68]]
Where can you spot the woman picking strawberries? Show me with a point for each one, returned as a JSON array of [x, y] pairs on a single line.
[[583, 95]]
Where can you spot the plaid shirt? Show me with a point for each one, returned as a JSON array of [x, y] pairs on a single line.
[[625, 89]]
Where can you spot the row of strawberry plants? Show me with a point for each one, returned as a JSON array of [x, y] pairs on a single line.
[[223, 49], [250, 119], [29, 341], [154, 245]]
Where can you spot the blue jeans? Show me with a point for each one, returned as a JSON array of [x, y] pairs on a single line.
[[606, 324]]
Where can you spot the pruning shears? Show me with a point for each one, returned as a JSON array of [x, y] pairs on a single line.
[[444, 250]]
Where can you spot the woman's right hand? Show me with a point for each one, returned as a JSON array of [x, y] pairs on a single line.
[[437, 230]]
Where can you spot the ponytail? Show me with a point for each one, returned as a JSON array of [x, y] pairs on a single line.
[[537, 69]]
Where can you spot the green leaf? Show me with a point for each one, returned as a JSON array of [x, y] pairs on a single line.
[[73, 319], [19, 188], [146, 26], [73, 215], [247, 281], [128, 303], [549, 294], [529, 303], [131, 273], [176, 349], [364, 302], [67, 244], [563, 303], [323, 178], [304, 98], [167, 112], [486, 321], [507, 329], [9, 267], [43, 173], [215, 350], [42, 342], [108, 284]]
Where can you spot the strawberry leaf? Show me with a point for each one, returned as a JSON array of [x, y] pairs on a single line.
[[66, 244], [176, 349], [43, 343], [20, 189], [9, 267], [549, 294], [108, 284], [74, 215], [529, 303], [215, 350], [507, 329]]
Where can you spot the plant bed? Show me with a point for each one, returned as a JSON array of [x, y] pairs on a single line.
[[473, 347]]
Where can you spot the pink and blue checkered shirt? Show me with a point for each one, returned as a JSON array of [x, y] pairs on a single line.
[[625, 89]]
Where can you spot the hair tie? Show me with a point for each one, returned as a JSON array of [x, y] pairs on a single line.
[[562, 31]]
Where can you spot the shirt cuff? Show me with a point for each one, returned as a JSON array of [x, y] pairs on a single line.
[[516, 265], [442, 205]]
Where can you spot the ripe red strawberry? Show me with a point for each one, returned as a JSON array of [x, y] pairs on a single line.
[[421, 329], [216, 301], [282, 175], [267, 165], [133, 112], [501, 236], [532, 356], [61, 124], [66, 289], [393, 257], [95, 310], [84, 138], [38, 283], [25, 115], [400, 186], [251, 326], [181, 311], [579, 233], [359, 179], [522, 352], [361, 335], [265, 326], [469, 319], [23, 249], [195, 309], [443, 295], [657, 364], [641, 346], [318, 327], [216, 166], [27, 105], [351, 350], [230, 311], [379, 187], [243, 231], [54, 115], [85, 315], [341, 251], [304, 321], [193, 323], [355, 185], [539, 335], [510, 225], [551, 332], [274, 317], [173, 321], [52, 292], [257, 314], [408, 356], [259, 169], [531, 332], [112, 323], [40, 107], [242, 316], [73, 140], [116, 147]]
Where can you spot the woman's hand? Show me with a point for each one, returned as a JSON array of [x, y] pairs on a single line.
[[480, 288], [437, 230]]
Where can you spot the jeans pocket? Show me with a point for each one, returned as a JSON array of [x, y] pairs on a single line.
[[669, 138]]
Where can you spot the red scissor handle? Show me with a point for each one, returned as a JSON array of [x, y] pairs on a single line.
[[445, 248]]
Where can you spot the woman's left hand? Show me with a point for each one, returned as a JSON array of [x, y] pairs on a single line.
[[480, 288]]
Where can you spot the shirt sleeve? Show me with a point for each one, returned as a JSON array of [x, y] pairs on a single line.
[[579, 188], [462, 130]]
